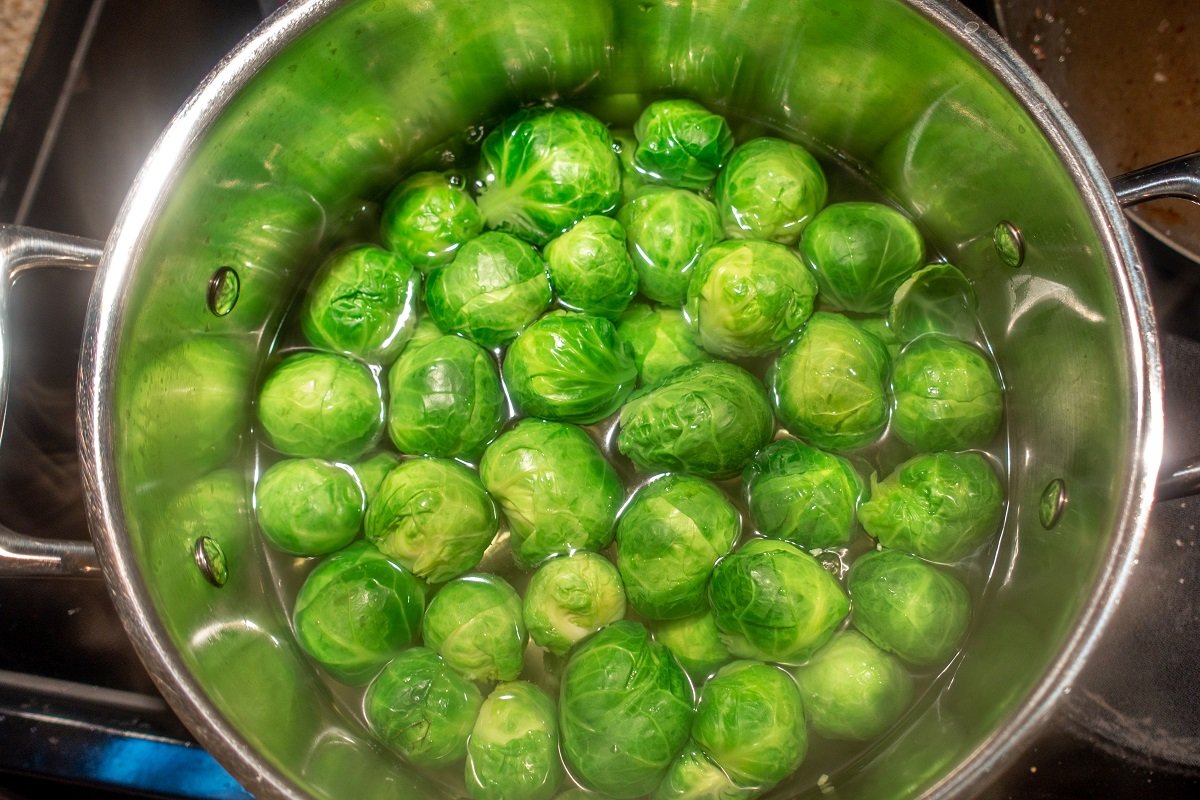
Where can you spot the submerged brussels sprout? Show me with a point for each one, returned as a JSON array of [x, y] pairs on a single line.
[[544, 169], [935, 299], [939, 506], [696, 642], [513, 750], [694, 776], [493, 288], [770, 190], [434, 517], [309, 507], [681, 143], [372, 471], [625, 144], [861, 253], [660, 339], [475, 624], [625, 711], [668, 540], [947, 395], [571, 596], [878, 327], [569, 367], [427, 217], [666, 230], [590, 269]]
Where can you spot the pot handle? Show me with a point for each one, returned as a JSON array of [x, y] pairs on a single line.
[[21, 250]]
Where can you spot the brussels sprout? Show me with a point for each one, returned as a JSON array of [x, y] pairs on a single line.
[[908, 607], [513, 750], [696, 642], [750, 721], [625, 710], [803, 495], [569, 367], [660, 339], [544, 169], [309, 507], [557, 490], [878, 327], [707, 419], [371, 472], [666, 230], [747, 298], [935, 299], [947, 395], [427, 217], [829, 387], [852, 689], [590, 269], [321, 405], [356, 611], [694, 776], [494, 287], [475, 624], [434, 517], [681, 143], [422, 709], [445, 399], [571, 596], [668, 540], [939, 506], [632, 179], [770, 190], [861, 253], [775, 602]]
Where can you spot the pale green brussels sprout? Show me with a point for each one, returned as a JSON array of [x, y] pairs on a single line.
[[513, 750], [852, 689], [696, 642], [861, 253], [426, 331], [625, 710], [879, 328], [434, 517], [321, 405], [681, 143], [558, 491], [661, 340], [708, 419], [569, 367], [939, 506], [935, 299], [590, 269], [774, 602], [570, 597], [668, 539], [694, 776], [830, 386], [308, 506], [356, 611], [666, 230], [770, 190], [947, 395], [544, 169], [494, 287], [422, 709], [632, 180], [908, 606], [475, 624], [803, 495], [747, 298], [371, 472], [427, 217]]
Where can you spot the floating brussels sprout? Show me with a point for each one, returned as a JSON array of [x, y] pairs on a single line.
[[947, 395], [590, 269], [694, 776], [935, 299], [513, 750], [666, 230], [427, 217], [681, 143], [373, 470], [696, 642], [309, 507], [770, 190], [660, 339], [570, 597], [475, 624], [879, 328]]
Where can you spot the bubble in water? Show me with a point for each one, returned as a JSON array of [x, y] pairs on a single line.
[[224, 287], [971, 27]]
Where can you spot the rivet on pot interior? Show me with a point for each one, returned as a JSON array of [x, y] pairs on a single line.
[[1010, 246], [211, 561], [223, 289], [1054, 501]]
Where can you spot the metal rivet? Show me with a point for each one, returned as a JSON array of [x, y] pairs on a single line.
[[210, 558], [1053, 503], [1009, 244], [223, 289]]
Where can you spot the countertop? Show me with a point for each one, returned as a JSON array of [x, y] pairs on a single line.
[[18, 21]]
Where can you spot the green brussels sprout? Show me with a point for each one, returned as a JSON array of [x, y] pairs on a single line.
[[660, 339], [830, 387], [852, 689], [309, 507], [666, 230], [427, 331], [947, 395], [769, 190], [445, 399], [775, 602], [708, 419], [434, 517], [571, 596], [557, 490], [750, 721], [696, 642], [513, 750], [939, 506], [668, 539], [544, 169], [590, 269], [879, 328], [625, 710], [935, 299], [494, 287], [321, 405], [632, 179], [803, 495], [423, 709], [908, 607], [371, 472], [861, 253], [363, 303], [694, 776], [427, 217], [569, 367], [681, 143], [747, 298], [356, 611], [475, 624]]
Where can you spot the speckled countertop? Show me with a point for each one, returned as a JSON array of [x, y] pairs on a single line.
[[18, 21]]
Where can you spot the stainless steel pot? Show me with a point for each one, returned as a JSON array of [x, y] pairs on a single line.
[[316, 113]]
